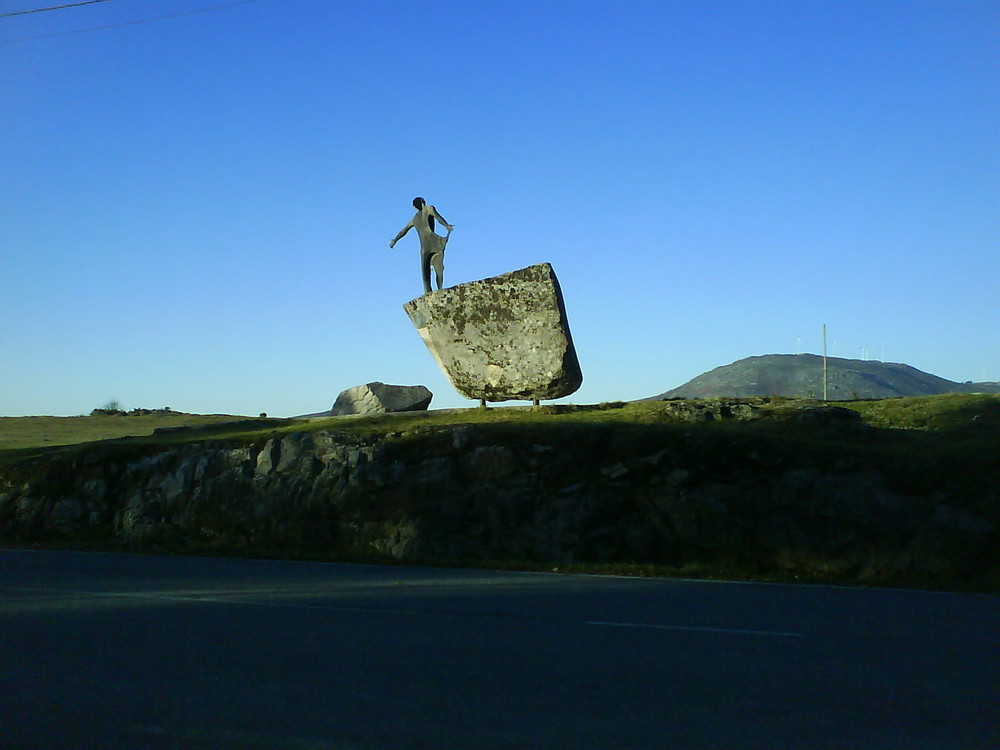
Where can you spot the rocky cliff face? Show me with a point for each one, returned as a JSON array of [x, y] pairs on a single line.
[[478, 493]]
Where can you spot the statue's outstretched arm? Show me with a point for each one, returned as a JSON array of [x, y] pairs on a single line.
[[399, 236]]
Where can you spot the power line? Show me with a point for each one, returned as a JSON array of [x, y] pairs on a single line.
[[127, 23], [54, 7]]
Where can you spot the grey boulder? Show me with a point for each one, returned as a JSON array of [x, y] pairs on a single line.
[[379, 398], [504, 338]]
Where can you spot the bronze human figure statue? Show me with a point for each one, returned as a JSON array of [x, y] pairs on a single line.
[[431, 244]]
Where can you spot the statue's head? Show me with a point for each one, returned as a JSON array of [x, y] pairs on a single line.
[[418, 203]]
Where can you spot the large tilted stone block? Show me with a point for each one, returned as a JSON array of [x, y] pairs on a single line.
[[379, 398], [501, 339]]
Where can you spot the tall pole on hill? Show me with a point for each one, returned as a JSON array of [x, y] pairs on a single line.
[[824, 361]]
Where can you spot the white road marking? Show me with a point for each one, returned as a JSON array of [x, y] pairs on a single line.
[[652, 626]]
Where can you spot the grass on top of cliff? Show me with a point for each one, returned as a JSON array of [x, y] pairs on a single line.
[[951, 411], [973, 415], [23, 437], [20, 433]]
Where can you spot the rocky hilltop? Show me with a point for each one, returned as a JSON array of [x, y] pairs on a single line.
[[753, 484], [801, 376]]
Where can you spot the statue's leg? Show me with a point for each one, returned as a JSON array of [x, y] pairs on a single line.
[[437, 260], [425, 270]]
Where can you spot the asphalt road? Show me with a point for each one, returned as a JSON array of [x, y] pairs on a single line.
[[122, 651]]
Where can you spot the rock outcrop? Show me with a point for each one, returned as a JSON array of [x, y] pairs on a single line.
[[474, 494], [379, 398], [501, 339]]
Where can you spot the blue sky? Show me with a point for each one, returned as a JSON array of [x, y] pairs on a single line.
[[195, 211]]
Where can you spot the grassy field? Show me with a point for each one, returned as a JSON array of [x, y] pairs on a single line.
[[23, 435], [948, 411], [17, 433]]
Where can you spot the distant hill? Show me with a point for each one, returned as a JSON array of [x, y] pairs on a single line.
[[801, 376]]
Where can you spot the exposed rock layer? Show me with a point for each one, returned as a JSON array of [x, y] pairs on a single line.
[[475, 493]]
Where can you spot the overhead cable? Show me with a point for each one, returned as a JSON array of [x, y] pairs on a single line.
[[128, 23], [54, 7]]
